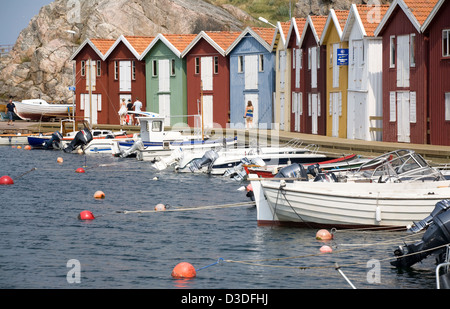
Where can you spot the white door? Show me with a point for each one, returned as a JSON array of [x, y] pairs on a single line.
[[314, 112], [297, 102], [403, 61], [207, 72], [251, 72], [95, 105], [335, 111], [125, 75], [164, 107], [282, 102], [164, 75], [358, 62], [335, 66], [282, 65], [360, 116], [208, 109], [403, 117], [254, 99], [313, 67]]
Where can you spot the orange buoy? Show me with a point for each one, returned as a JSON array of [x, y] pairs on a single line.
[[184, 270], [99, 195], [19, 147], [86, 215], [27, 147], [6, 180], [59, 160], [160, 207], [326, 249], [80, 170], [323, 235]]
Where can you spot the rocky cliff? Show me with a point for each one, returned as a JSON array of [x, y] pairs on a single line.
[[38, 65]]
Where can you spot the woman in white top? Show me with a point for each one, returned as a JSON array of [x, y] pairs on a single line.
[[123, 111]]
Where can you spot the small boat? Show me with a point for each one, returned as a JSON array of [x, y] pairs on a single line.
[[102, 140], [154, 142], [219, 162], [37, 109], [14, 139], [402, 190], [342, 163]]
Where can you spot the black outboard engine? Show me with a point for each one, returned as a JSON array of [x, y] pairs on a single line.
[[314, 170], [433, 241], [208, 159], [293, 171], [54, 141], [82, 138]]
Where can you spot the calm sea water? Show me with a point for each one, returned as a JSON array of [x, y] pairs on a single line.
[[40, 233]]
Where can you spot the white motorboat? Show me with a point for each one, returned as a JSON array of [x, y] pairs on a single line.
[[154, 142], [37, 109], [218, 162], [406, 192]]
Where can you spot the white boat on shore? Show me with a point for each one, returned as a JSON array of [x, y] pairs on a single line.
[[397, 201], [38, 109]]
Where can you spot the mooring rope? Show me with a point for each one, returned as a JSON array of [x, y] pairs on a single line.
[[190, 208]]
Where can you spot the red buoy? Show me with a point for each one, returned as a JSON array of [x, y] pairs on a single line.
[[6, 180], [86, 215], [80, 170], [184, 270], [326, 249]]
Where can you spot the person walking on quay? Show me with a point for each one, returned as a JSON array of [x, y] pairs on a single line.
[[249, 115], [137, 108], [11, 109], [122, 112], [129, 109]]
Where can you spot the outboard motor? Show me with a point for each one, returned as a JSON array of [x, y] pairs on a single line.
[[208, 159], [293, 171], [314, 170], [54, 141], [436, 236], [82, 138], [326, 177], [138, 145]]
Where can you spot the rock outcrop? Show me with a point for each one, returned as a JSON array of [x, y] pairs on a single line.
[[39, 66]]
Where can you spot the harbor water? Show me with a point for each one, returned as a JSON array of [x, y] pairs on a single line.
[[41, 236]]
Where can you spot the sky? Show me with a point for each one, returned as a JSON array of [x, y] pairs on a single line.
[[15, 16]]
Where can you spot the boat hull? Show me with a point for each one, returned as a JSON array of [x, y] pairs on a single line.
[[346, 205], [41, 110]]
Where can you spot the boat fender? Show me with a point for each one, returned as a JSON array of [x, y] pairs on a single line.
[[378, 214]]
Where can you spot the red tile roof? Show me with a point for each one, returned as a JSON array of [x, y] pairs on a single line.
[[103, 45], [369, 17], [223, 38], [180, 41], [420, 8], [265, 33], [319, 23], [139, 43]]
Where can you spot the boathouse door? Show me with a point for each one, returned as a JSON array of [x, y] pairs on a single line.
[[315, 111], [403, 61], [207, 73], [335, 111], [208, 111], [164, 90], [403, 117], [297, 109], [95, 105]]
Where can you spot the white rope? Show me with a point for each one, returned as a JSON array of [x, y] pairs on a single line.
[[191, 208]]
